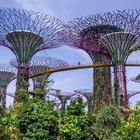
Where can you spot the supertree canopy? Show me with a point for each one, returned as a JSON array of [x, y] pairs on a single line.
[[39, 64], [84, 33], [63, 97], [7, 74], [25, 33], [118, 45]]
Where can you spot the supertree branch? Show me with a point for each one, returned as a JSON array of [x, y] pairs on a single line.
[[10, 95], [48, 62], [38, 28], [133, 93], [63, 97], [39, 64], [7, 74], [88, 93], [25, 33], [115, 21]]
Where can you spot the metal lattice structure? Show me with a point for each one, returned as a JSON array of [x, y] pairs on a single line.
[[63, 97], [39, 64], [25, 33], [84, 33], [10, 95], [132, 93], [7, 74]]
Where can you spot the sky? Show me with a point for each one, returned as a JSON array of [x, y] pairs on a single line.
[[68, 10]]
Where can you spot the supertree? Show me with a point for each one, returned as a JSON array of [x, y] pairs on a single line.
[[118, 45], [84, 33], [39, 64], [88, 94], [7, 74], [63, 97], [25, 33]]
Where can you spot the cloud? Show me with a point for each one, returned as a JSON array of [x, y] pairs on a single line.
[[41, 6]]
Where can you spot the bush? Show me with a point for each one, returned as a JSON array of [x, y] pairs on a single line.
[[76, 123], [130, 129], [107, 121], [37, 120]]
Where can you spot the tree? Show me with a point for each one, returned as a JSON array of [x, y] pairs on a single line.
[[75, 125], [7, 124], [36, 120], [130, 129], [107, 121]]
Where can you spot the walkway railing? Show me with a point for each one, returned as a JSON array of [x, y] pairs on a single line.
[[83, 66]]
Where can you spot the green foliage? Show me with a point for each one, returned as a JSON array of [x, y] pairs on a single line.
[[76, 123], [99, 89], [42, 88], [7, 124], [130, 129], [138, 77], [107, 121], [21, 95], [134, 49], [76, 107], [102, 90], [37, 120], [2, 128]]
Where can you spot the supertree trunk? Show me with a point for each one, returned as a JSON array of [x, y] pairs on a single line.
[[2, 97], [22, 84], [90, 108], [120, 91], [102, 93], [63, 104], [22, 78]]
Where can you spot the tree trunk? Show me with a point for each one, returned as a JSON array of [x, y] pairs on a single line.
[[120, 90]]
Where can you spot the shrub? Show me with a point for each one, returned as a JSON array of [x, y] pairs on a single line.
[[37, 120]]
